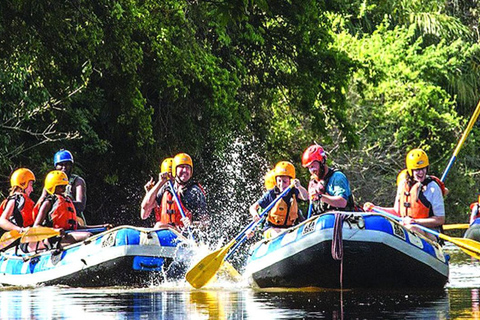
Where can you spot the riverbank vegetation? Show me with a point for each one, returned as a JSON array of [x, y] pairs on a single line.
[[239, 85]]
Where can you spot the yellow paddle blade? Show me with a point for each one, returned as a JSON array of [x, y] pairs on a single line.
[[469, 246], [39, 233], [229, 272], [8, 238], [201, 273], [455, 226]]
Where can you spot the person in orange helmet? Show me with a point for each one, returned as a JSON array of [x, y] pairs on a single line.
[[190, 193], [16, 212], [285, 213]]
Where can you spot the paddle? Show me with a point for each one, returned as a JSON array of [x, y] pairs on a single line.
[[462, 140], [201, 273], [469, 246], [9, 237], [179, 205], [455, 226], [38, 233]]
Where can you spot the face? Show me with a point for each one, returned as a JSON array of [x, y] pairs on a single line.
[[29, 188], [65, 166], [419, 174], [60, 189], [283, 182], [314, 168], [184, 172]]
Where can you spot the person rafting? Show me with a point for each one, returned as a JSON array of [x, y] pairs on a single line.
[[285, 213], [57, 210], [16, 210], [76, 188], [161, 199], [329, 188], [419, 198]]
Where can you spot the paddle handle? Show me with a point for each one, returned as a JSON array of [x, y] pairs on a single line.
[[385, 213], [179, 205], [472, 121]]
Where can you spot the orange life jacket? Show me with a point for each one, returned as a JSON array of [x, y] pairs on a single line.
[[25, 219], [63, 214], [169, 213], [412, 201], [282, 214]]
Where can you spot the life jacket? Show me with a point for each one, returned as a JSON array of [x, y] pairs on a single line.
[[284, 214], [168, 212], [413, 202], [323, 207], [63, 214], [23, 217]]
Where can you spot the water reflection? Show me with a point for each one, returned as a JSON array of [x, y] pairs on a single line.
[[460, 300]]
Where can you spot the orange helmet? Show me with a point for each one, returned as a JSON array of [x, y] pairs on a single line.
[[21, 177], [285, 168], [55, 178], [179, 159], [270, 179], [313, 153], [167, 165]]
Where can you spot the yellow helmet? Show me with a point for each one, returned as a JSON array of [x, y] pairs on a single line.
[[270, 179], [179, 159], [285, 168], [166, 165], [402, 175], [416, 159], [21, 177], [55, 178]]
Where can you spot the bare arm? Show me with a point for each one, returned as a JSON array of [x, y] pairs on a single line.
[[5, 223], [80, 201], [303, 193], [149, 201], [42, 213], [334, 201], [253, 211]]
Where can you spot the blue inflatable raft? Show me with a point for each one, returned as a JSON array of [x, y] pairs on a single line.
[[124, 255], [376, 252]]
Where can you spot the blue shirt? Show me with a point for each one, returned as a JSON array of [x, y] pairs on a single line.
[[338, 185], [272, 194]]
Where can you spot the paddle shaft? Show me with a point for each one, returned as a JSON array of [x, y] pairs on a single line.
[[310, 208], [462, 140], [179, 205]]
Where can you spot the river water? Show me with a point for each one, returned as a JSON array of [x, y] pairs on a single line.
[[460, 299]]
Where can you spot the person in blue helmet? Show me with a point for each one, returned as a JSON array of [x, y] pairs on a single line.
[[76, 188]]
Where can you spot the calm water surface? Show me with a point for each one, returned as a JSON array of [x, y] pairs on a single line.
[[459, 300]]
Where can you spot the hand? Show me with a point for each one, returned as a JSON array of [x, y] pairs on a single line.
[[180, 190], [149, 185], [256, 217], [250, 233], [316, 188], [297, 183], [108, 226], [368, 206], [163, 176], [186, 222], [408, 221]]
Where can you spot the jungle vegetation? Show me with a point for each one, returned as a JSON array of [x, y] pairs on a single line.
[[239, 85]]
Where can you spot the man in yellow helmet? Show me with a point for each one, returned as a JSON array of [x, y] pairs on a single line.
[[190, 193]]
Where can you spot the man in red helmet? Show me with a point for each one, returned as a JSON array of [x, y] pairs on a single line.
[[329, 188]]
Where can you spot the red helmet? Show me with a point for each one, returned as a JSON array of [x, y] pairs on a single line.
[[313, 153]]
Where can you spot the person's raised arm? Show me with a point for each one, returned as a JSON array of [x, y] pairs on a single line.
[[148, 202]]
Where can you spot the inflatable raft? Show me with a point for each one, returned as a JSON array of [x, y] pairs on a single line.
[[373, 251], [124, 255]]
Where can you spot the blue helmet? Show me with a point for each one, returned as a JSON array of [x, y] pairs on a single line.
[[62, 156]]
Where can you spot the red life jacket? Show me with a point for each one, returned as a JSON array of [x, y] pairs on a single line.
[[412, 201], [25, 219], [282, 214], [63, 214], [169, 213]]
